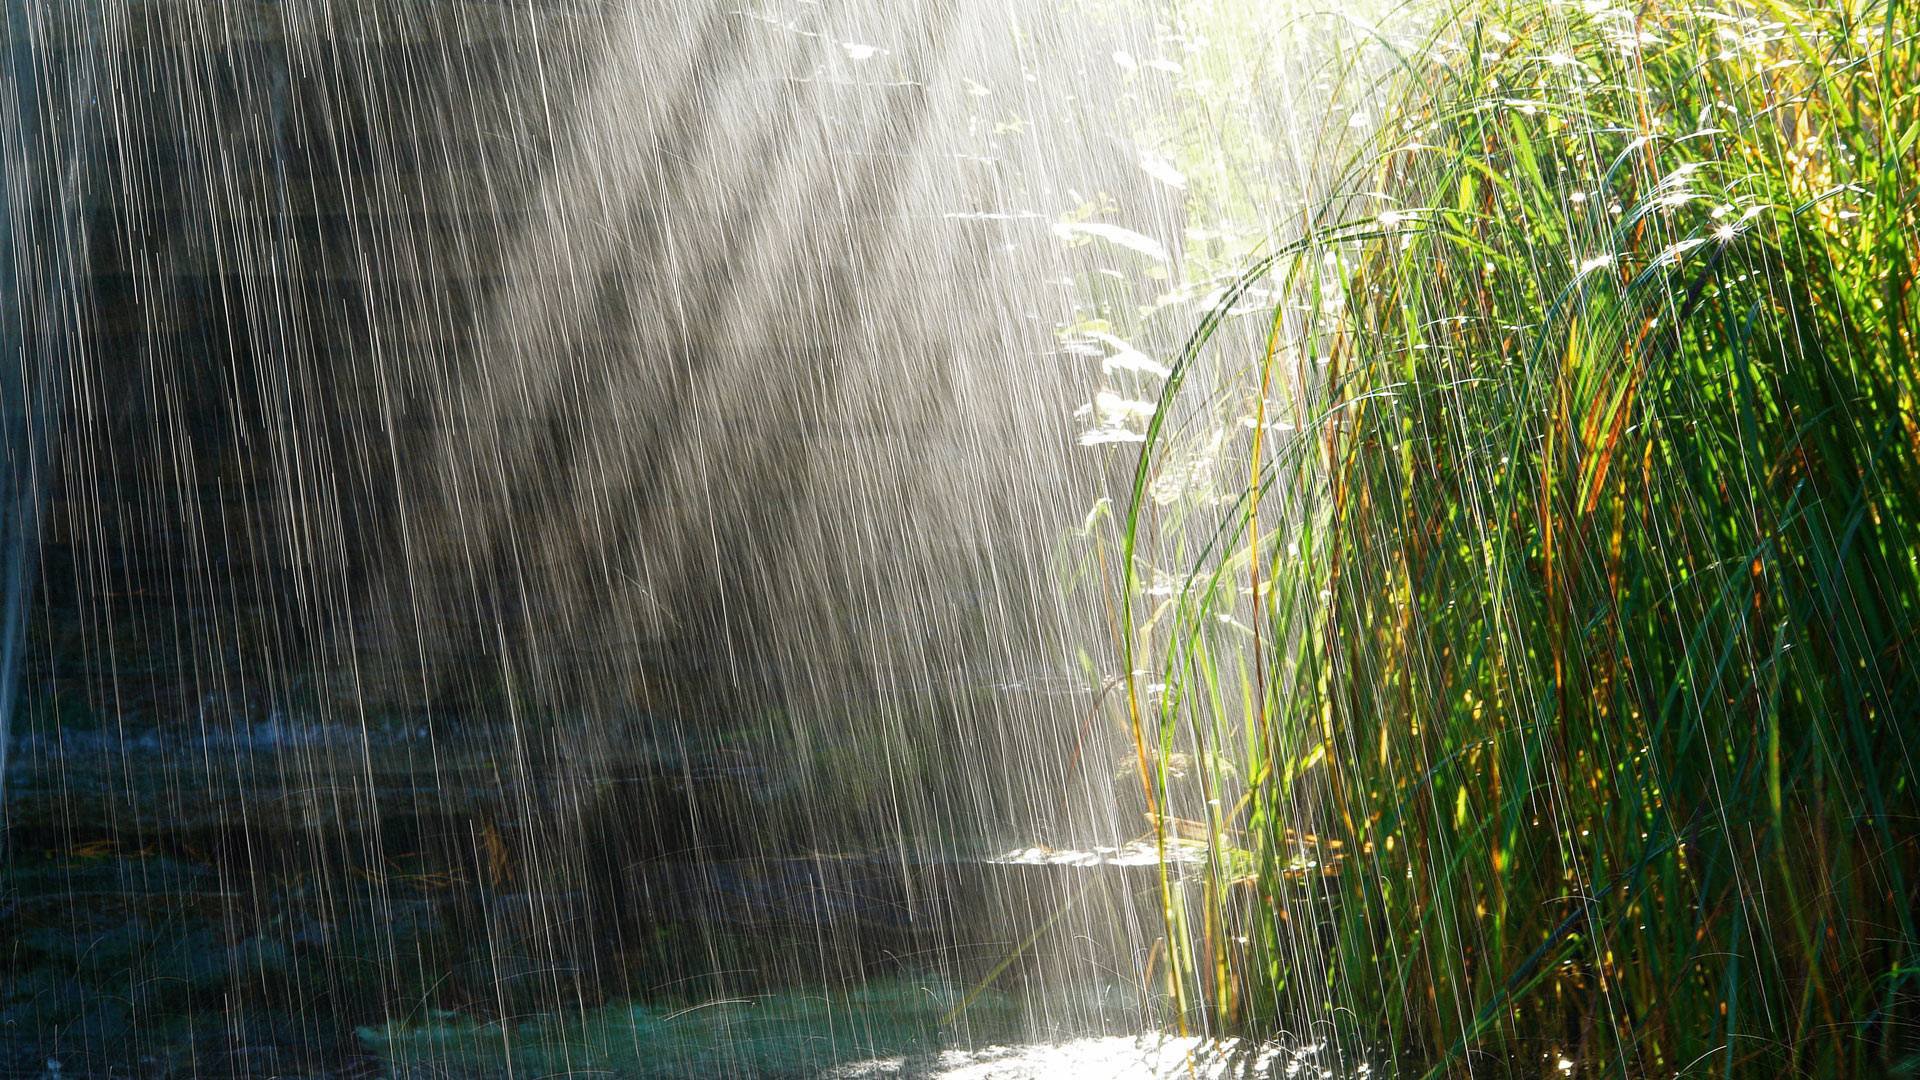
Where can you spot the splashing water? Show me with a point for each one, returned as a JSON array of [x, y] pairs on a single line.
[[857, 538], [560, 532]]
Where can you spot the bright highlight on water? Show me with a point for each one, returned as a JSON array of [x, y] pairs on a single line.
[[807, 538]]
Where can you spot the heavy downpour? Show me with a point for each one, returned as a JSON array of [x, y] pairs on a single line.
[[936, 539]]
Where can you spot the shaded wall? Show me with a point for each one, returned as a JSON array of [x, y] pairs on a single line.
[[527, 368]]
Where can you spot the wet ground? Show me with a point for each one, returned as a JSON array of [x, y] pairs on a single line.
[[305, 901]]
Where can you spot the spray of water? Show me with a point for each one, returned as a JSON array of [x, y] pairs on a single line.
[[917, 538], [574, 531], [44, 158]]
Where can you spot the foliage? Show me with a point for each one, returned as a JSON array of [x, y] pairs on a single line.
[[1561, 634]]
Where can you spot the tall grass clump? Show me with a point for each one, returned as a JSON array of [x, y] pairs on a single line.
[[1547, 661]]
